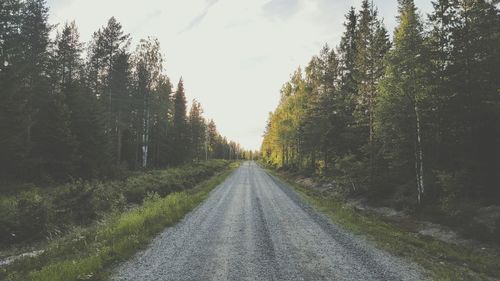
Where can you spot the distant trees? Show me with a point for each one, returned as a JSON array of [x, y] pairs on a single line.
[[198, 132], [64, 116], [418, 116], [180, 126]]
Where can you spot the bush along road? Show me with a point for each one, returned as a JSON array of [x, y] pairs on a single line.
[[88, 252]]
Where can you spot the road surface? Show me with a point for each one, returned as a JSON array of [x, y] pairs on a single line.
[[254, 227]]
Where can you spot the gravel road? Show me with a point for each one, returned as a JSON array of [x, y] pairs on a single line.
[[254, 227]]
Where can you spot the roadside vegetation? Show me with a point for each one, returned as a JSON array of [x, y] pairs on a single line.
[[87, 253], [36, 214], [443, 261], [410, 122]]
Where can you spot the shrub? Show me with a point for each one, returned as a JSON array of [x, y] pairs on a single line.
[[37, 213], [451, 186], [33, 215], [8, 219], [352, 174]]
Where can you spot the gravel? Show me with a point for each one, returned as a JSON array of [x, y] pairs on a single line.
[[254, 227]]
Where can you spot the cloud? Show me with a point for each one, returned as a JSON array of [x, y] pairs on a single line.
[[254, 62], [238, 23], [281, 9], [199, 18], [144, 23]]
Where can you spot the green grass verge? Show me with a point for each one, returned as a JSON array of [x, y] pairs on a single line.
[[86, 255], [35, 215], [442, 260]]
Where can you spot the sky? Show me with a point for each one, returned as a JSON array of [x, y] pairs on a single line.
[[233, 55]]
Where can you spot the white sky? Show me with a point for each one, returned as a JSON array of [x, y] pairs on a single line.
[[233, 55]]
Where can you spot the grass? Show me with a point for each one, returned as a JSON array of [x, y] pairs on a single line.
[[443, 261], [33, 215], [88, 254]]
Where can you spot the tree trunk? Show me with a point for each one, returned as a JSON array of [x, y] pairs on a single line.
[[371, 133], [283, 156], [325, 155], [313, 161], [118, 140], [287, 156], [419, 157], [145, 136], [137, 149]]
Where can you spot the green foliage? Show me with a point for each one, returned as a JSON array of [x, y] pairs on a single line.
[[198, 131], [451, 186], [352, 174], [65, 117], [25, 217], [36, 214], [445, 261], [86, 255], [180, 139], [413, 123]]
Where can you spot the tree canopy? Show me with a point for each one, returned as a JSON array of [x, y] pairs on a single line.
[[415, 119]]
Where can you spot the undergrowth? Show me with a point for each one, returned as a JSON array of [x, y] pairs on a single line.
[[442, 260], [87, 254]]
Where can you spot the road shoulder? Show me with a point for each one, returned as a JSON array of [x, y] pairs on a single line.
[[442, 261]]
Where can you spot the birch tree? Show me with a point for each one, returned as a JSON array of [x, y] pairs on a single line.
[[148, 68]]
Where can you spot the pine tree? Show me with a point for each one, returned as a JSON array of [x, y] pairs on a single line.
[[473, 74], [120, 87], [404, 89], [180, 134], [15, 115], [440, 45], [348, 87], [68, 62], [54, 146], [109, 72], [63, 116], [213, 138], [93, 157], [347, 52], [161, 114], [198, 131], [372, 43]]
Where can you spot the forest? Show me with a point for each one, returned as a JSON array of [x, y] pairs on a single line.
[[74, 110], [412, 121], [89, 130]]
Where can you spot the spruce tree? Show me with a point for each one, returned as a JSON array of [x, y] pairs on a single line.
[[404, 88], [473, 106], [198, 131], [213, 138], [161, 114], [372, 43], [86, 124], [109, 73], [54, 146], [180, 134], [15, 115]]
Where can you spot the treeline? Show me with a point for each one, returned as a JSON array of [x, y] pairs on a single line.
[[415, 120], [78, 110]]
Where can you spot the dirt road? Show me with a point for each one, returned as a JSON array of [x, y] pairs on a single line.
[[254, 227]]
